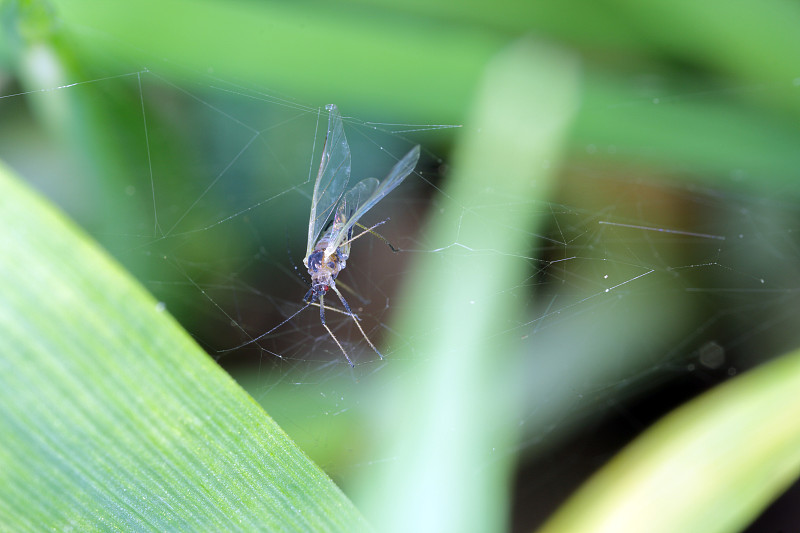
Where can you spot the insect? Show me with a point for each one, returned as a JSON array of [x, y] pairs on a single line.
[[327, 256]]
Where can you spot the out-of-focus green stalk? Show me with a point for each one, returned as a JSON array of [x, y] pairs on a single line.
[[456, 394]]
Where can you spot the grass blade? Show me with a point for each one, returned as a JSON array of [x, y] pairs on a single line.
[[113, 418]]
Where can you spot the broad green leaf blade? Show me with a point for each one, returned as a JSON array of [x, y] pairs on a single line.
[[112, 417], [712, 466]]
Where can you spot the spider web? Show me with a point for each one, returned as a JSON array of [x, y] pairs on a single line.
[[647, 286]]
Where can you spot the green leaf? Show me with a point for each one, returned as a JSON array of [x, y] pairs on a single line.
[[711, 466], [113, 418], [456, 391], [424, 62]]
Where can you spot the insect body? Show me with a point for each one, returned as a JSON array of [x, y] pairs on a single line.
[[326, 256]]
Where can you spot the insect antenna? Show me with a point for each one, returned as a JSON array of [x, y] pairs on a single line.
[[255, 340]]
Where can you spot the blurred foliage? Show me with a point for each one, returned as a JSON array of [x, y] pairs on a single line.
[[697, 470], [669, 91]]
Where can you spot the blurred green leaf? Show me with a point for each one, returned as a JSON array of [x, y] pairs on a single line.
[[402, 59], [114, 419], [712, 466], [298, 48], [455, 398]]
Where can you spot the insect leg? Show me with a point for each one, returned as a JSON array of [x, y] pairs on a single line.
[[348, 289], [369, 230], [334, 309], [322, 319], [376, 234], [309, 300], [347, 308]]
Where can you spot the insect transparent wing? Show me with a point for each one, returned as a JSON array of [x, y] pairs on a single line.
[[354, 198], [334, 173], [360, 201], [349, 204]]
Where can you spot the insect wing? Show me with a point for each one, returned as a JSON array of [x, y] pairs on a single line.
[[334, 173], [354, 198], [361, 201]]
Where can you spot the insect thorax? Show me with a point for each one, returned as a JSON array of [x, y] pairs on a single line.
[[323, 270]]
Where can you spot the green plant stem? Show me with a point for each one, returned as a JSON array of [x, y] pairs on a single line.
[[457, 392]]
